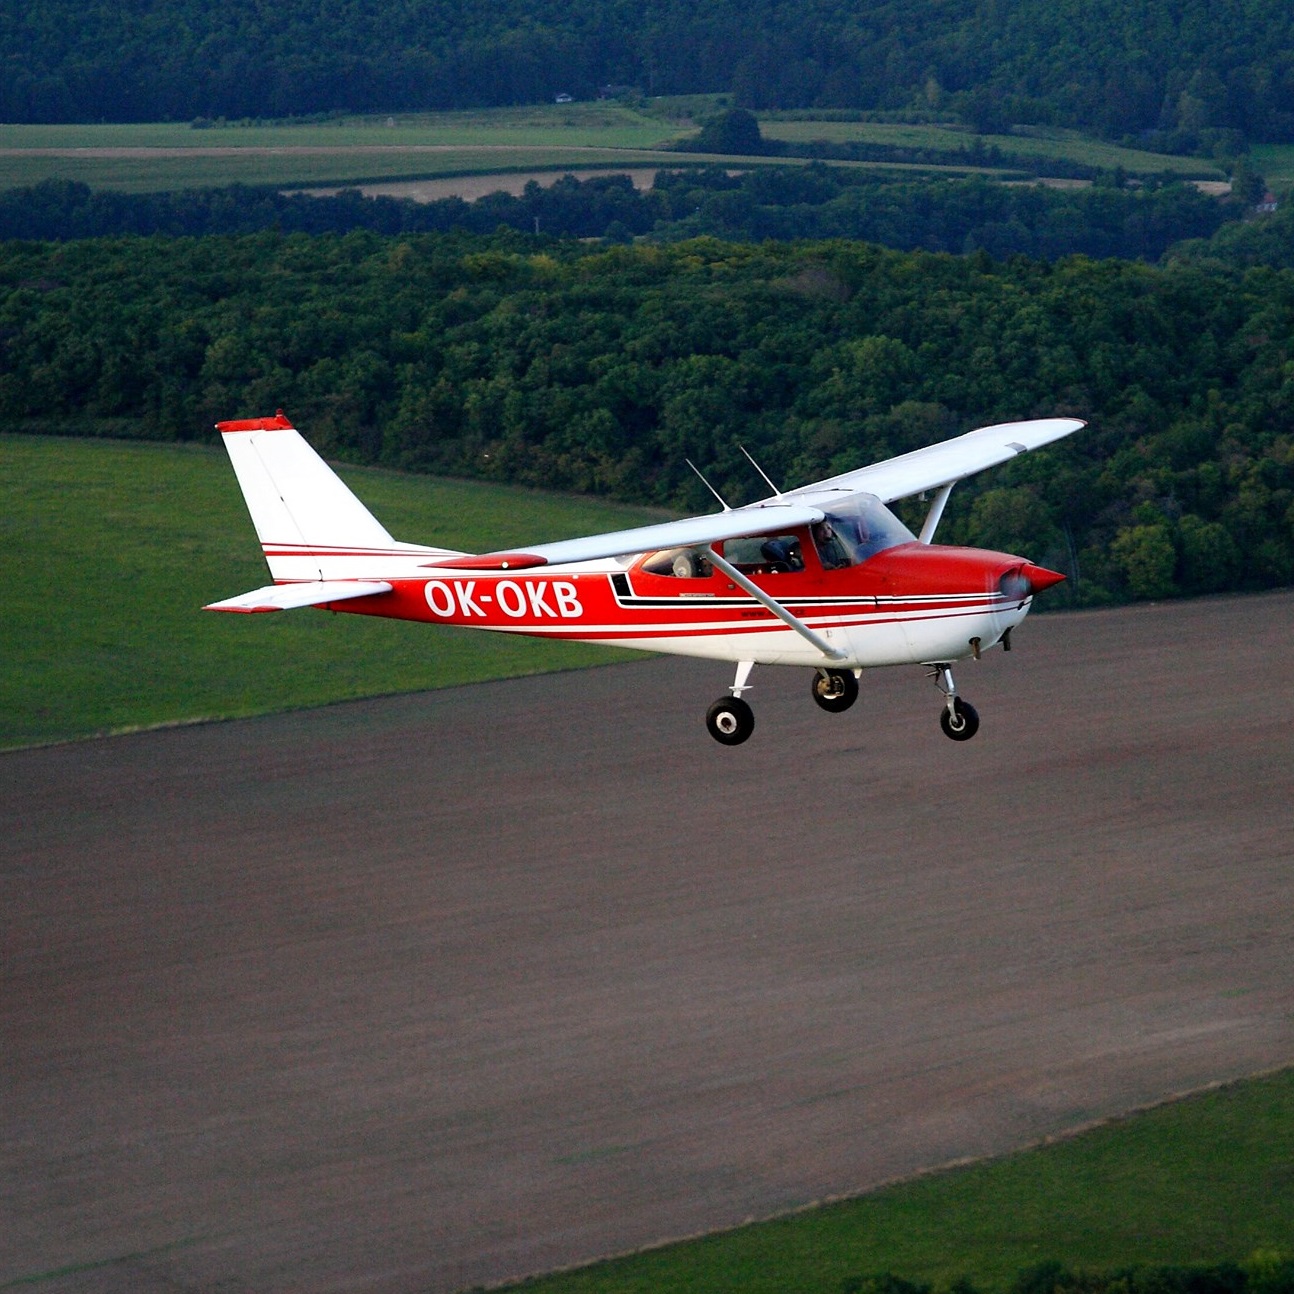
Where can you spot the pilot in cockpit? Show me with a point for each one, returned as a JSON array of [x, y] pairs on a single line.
[[832, 552]]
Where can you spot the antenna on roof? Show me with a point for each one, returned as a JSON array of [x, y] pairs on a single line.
[[761, 471], [707, 484]]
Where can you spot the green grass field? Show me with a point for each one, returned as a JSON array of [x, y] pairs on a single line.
[[559, 137], [1203, 1180], [1275, 162], [110, 549], [601, 125], [1069, 145]]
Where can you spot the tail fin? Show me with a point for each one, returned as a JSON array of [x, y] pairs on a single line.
[[310, 525]]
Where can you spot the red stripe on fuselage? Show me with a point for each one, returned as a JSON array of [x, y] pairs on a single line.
[[587, 605]]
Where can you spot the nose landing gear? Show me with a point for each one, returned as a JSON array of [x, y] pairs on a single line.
[[959, 719]]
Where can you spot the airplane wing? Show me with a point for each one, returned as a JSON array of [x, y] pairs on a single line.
[[309, 593], [693, 532], [951, 460], [896, 478]]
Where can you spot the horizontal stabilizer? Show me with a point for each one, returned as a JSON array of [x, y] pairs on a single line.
[[311, 593]]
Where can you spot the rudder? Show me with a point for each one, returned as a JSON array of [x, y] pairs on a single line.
[[303, 512]]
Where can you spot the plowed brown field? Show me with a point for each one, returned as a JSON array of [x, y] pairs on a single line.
[[416, 993]]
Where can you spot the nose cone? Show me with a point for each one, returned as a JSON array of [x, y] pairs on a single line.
[[1040, 577], [1025, 580]]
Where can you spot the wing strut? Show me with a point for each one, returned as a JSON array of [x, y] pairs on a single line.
[[774, 606], [936, 513]]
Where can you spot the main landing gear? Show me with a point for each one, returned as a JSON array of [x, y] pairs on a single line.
[[730, 720], [959, 719], [835, 689]]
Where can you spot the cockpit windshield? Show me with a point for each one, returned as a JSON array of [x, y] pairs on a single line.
[[857, 527]]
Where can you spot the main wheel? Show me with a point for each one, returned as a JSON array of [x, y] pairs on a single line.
[[730, 720], [835, 690], [963, 725]]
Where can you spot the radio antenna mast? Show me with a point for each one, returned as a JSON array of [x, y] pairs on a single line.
[[707, 485], [761, 471]]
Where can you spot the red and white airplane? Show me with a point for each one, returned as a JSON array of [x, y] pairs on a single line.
[[824, 576]]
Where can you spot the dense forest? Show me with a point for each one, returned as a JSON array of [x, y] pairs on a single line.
[[1186, 69], [599, 368], [775, 202]]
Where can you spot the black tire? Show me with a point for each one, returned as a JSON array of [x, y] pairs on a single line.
[[730, 720], [837, 690], [965, 725]]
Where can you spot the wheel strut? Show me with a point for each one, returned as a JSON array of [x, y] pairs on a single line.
[[959, 719], [740, 684], [943, 677]]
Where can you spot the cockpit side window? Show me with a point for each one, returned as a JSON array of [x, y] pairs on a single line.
[[682, 563]]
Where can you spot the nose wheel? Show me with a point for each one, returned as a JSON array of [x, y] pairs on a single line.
[[959, 719], [960, 722]]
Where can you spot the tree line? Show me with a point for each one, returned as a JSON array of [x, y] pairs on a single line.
[[1188, 73], [812, 202], [601, 368]]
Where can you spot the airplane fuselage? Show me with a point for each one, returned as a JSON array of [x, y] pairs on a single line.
[[913, 603]]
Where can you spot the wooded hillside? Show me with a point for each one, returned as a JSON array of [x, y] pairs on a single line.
[[583, 368], [1189, 69]]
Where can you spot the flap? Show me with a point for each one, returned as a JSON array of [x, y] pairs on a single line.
[[693, 532]]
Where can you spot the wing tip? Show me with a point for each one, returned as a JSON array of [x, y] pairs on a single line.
[[216, 606], [280, 422]]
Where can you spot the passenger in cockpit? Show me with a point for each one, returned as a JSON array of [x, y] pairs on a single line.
[[782, 554]]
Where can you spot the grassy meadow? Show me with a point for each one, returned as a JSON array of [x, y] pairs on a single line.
[[1275, 162], [601, 125], [1068, 145], [1203, 1180], [559, 137], [173, 155], [110, 550]]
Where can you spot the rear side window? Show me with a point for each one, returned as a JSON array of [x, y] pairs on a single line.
[[765, 554]]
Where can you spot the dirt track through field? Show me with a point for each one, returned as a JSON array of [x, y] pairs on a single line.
[[428, 991]]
